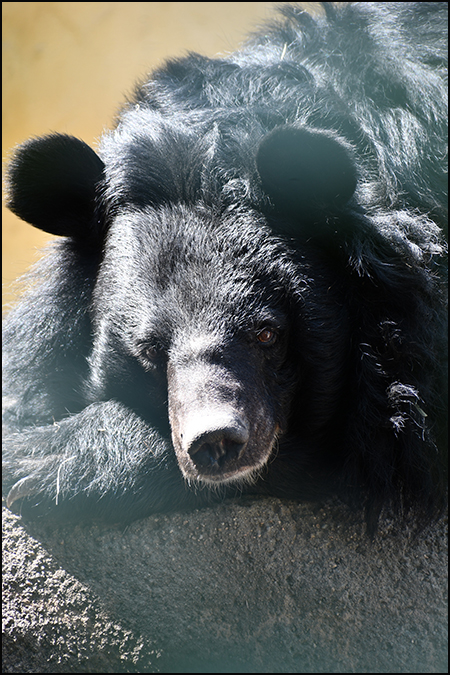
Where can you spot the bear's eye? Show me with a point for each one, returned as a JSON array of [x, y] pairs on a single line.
[[266, 336], [152, 354]]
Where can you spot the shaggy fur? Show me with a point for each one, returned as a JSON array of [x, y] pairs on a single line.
[[248, 294]]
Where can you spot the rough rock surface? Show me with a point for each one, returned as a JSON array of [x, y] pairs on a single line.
[[258, 585]]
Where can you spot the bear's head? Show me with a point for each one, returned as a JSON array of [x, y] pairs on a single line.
[[203, 319]]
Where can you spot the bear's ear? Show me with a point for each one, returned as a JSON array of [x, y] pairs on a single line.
[[52, 185], [304, 171]]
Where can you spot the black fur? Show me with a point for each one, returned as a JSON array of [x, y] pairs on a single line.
[[249, 293]]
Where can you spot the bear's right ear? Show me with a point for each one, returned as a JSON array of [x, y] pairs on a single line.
[[306, 170], [52, 185]]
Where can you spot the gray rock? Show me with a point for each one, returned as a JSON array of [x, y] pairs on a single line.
[[258, 585]]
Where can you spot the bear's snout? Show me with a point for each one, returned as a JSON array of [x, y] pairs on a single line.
[[221, 432], [214, 445]]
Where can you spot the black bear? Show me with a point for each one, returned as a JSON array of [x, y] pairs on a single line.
[[248, 294]]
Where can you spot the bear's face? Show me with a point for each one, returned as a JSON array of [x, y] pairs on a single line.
[[202, 328]]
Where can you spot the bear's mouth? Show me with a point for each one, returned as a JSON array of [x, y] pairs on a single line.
[[227, 472]]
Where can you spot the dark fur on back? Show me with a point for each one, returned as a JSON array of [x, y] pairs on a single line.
[[271, 222]]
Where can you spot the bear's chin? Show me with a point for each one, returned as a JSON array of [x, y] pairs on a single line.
[[243, 475]]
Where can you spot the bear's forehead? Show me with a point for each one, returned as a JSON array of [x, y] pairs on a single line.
[[181, 241], [175, 267]]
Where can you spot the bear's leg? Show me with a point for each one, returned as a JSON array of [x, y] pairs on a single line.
[[105, 455]]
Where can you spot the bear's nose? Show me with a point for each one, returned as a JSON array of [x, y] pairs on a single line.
[[216, 446], [214, 450]]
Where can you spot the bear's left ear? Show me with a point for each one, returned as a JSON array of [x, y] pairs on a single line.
[[52, 185], [304, 171]]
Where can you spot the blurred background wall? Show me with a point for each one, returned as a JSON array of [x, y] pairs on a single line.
[[67, 66]]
